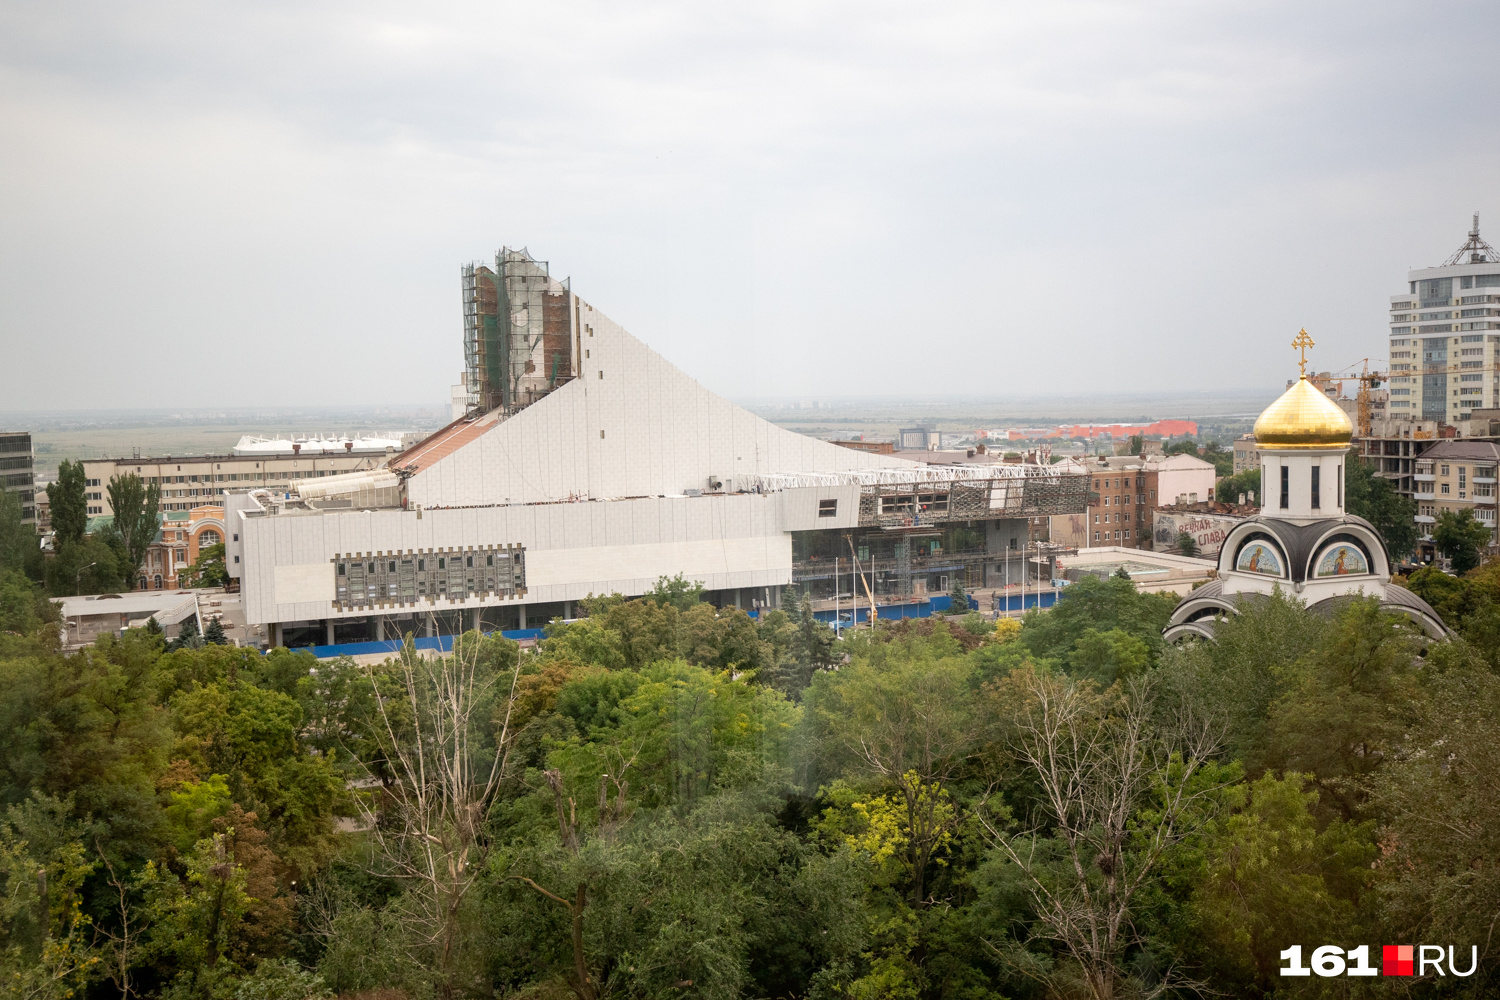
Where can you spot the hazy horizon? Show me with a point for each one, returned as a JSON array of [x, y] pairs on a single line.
[[270, 203]]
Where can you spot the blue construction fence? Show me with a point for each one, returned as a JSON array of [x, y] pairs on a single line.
[[440, 643], [940, 605]]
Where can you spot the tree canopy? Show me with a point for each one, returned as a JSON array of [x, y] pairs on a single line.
[[664, 798]]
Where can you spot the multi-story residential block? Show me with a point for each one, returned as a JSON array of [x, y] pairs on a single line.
[[1456, 475], [1445, 337], [1125, 494], [1246, 457], [255, 463], [18, 471]]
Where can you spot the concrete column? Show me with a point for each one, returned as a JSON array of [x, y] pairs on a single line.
[[737, 593], [567, 609], [273, 634], [329, 623], [474, 619], [431, 624], [522, 610]]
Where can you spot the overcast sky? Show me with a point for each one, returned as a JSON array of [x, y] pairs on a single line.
[[212, 203]]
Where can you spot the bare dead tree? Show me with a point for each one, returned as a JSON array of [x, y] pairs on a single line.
[[1099, 764], [443, 769], [121, 948]]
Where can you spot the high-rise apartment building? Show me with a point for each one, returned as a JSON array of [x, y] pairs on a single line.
[[18, 470], [1445, 337]]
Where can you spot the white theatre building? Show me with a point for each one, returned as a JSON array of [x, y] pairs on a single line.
[[587, 464]]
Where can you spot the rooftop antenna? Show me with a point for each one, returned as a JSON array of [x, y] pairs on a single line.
[[1474, 251]]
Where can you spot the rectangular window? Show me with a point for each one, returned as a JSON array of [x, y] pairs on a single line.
[[1445, 488], [1339, 485], [1317, 500], [1286, 487], [828, 508]]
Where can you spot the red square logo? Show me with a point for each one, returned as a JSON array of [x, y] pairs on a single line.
[[1396, 960]]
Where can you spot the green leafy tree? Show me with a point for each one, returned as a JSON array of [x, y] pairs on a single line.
[[1137, 444], [24, 608], [17, 539], [1097, 605], [1373, 498], [1223, 461], [43, 929], [1346, 705], [1438, 800], [905, 716], [137, 518], [679, 592], [1105, 657], [208, 569], [198, 918], [1186, 545], [1263, 875], [69, 503], [1230, 488], [1462, 538]]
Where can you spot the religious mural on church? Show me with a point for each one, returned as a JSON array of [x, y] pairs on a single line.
[[1258, 557], [1342, 559]]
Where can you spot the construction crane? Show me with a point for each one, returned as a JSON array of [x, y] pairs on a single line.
[[1369, 380]]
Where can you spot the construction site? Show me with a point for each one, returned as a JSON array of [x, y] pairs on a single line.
[[584, 463]]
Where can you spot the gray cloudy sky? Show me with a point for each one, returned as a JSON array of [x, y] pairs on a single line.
[[211, 203]]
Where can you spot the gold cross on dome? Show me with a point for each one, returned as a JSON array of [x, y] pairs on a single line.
[[1303, 342]]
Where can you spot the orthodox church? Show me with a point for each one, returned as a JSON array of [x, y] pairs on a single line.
[[1303, 540]]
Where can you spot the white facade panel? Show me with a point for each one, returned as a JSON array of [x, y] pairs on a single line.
[[572, 549], [663, 433], [304, 583]]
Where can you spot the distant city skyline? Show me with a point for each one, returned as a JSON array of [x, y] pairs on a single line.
[[245, 206]]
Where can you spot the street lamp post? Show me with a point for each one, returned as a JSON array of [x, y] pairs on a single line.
[[78, 580]]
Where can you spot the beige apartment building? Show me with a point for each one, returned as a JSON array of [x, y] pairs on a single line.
[[1456, 474], [196, 480]]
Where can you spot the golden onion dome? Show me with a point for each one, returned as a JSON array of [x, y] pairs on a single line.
[[1303, 418]]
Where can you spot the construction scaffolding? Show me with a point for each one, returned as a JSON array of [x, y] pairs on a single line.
[[894, 498], [519, 333]]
